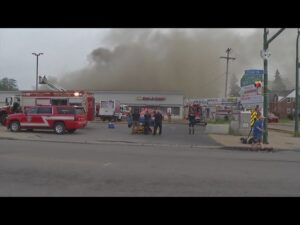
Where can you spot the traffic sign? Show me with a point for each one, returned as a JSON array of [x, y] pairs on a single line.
[[253, 118], [250, 76], [265, 54]]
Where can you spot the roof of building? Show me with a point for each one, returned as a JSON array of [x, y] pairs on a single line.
[[281, 94], [292, 94]]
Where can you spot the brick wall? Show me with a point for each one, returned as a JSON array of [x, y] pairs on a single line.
[[282, 108]]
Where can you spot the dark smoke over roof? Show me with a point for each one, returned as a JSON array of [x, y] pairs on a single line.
[[187, 60]]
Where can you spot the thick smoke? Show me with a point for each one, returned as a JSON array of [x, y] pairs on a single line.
[[182, 59]]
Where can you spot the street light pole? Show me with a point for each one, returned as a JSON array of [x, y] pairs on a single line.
[[265, 89], [266, 43], [297, 88], [37, 68]]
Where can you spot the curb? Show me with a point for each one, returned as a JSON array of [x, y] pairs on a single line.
[[131, 143], [282, 131], [116, 142], [239, 148]]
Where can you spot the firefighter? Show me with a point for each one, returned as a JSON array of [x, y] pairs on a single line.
[[136, 121], [157, 122], [192, 120], [147, 118]]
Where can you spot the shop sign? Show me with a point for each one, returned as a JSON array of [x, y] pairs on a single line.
[[150, 98]]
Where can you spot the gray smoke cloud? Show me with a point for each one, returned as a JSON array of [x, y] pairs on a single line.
[[182, 59]]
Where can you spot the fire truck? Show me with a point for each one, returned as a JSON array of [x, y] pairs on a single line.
[[197, 110], [17, 103]]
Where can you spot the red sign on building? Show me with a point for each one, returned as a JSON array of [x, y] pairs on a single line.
[[149, 98]]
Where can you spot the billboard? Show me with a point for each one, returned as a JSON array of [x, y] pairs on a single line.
[[250, 76]]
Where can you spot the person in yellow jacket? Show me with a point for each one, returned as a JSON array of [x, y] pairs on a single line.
[[254, 115]]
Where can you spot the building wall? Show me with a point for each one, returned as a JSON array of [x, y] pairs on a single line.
[[4, 94], [282, 108], [153, 99]]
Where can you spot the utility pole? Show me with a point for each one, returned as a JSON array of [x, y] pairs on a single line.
[[265, 89], [227, 59], [37, 69], [297, 88], [266, 43]]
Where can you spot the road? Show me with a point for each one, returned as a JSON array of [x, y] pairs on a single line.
[[37, 168]]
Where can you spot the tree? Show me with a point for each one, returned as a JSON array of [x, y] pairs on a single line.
[[7, 84], [278, 83], [234, 87]]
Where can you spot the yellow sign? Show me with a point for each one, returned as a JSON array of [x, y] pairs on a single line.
[[253, 118]]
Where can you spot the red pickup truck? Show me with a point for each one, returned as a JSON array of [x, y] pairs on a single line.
[[59, 118]]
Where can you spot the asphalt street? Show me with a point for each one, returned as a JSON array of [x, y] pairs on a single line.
[[37, 168], [97, 132]]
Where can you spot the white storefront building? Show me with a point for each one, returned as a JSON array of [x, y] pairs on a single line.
[[161, 100]]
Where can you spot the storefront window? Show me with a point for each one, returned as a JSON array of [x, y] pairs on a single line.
[[174, 110]]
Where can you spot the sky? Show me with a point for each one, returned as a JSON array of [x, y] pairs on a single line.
[[64, 50], [107, 58]]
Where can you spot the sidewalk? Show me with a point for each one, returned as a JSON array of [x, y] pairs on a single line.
[[278, 140]]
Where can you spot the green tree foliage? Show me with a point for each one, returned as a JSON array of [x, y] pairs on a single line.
[[234, 87], [278, 83], [7, 84]]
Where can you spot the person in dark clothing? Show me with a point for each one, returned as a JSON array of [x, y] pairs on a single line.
[[157, 122], [16, 107], [129, 120], [192, 120], [147, 118], [135, 120]]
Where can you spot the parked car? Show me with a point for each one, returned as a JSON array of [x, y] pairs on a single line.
[[272, 118], [58, 118]]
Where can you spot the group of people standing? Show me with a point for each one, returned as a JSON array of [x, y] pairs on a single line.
[[135, 117]]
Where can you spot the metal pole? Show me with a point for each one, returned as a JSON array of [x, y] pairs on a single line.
[[228, 50], [37, 69], [266, 43], [297, 88], [265, 92], [37, 72], [227, 63]]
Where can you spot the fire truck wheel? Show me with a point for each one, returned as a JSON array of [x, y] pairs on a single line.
[[59, 127], [14, 126], [3, 119]]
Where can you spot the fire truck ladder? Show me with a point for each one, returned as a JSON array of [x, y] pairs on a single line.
[[44, 80]]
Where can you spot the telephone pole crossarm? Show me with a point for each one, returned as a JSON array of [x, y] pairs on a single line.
[[274, 36]]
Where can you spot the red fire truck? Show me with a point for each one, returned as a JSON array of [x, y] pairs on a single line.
[[17, 103], [197, 110]]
